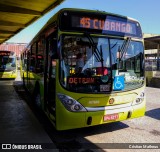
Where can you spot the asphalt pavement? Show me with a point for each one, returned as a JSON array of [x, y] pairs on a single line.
[[18, 124]]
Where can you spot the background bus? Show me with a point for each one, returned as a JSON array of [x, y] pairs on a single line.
[[8, 64], [111, 85]]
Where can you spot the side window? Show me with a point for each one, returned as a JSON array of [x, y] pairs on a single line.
[[28, 60], [53, 69], [33, 58], [24, 60], [52, 49], [40, 56]]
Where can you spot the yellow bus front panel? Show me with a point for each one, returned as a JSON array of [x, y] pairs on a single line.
[[95, 115], [70, 120]]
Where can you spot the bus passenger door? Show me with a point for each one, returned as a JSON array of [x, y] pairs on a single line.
[[50, 85]]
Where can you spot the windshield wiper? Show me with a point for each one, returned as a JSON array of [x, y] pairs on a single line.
[[97, 53], [124, 47], [123, 50]]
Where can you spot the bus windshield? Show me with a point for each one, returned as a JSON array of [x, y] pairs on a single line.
[[7, 63], [91, 67]]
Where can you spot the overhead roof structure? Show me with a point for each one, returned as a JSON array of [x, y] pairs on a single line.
[[152, 42], [15, 15], [152, 46]]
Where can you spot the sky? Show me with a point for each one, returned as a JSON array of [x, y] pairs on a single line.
[[147, 12]]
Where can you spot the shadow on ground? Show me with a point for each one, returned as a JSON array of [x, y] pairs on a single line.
[[154, 113], [70, 140]]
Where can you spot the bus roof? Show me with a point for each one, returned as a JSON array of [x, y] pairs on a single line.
[[93, 11], [55, 16]]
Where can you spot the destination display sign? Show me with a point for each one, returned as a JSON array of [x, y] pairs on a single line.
[[5, 53], [112, 25], [81, 80], [95, 22]]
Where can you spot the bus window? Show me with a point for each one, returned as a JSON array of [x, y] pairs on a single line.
[[40, 57], [33, 58]]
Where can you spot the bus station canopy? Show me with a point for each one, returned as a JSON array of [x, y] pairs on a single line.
[[152, 42], [15, 15], [152, 46]]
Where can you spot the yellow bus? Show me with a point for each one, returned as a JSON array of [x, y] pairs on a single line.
[[110, 85], [8, 65]]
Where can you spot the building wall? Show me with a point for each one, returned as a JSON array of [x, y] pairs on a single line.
[[16, 47]]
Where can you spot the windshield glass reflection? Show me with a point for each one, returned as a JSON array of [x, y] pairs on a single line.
[[91, 67]]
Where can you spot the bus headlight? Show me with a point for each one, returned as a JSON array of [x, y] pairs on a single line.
[[139, 99], [70, 104]]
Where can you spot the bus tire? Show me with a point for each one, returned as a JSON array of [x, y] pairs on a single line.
[[37, 97]]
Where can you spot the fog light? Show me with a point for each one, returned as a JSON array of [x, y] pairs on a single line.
[[142, 95], [111, 100], [138, 100]]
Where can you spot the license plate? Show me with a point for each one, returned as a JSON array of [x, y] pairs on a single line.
[[109, 117], [104, 88]]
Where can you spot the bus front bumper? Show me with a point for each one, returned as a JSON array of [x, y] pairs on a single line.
[[70, 120]]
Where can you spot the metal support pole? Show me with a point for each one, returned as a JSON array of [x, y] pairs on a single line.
[[158, 56]]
